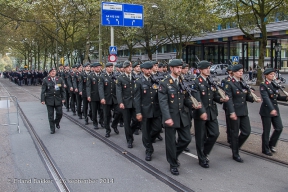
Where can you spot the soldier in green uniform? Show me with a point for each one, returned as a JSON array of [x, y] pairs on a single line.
[[227, 115], [93, 92], [107, 93], [238, 110], [147, 108], [67, 85], [125, 99], [136, 74], [205, 119], [76, 82], [174, 104], [83, 92], [53, 95], [72, 90], [269, 111]]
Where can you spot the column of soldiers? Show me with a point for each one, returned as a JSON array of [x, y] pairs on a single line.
[[26, 77], [149, 98]]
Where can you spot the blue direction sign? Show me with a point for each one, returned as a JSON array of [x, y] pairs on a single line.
[[113, 50], [235, 60], [122, 15]]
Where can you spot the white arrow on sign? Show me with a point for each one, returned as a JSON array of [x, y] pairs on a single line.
[[133, 22], [108, 20], [117, 21]]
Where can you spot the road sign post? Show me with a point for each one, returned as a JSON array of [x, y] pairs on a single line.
[[235, 60]]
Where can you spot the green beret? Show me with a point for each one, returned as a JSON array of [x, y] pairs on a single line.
[[97, 64], [185, 65], [175, 63], [203, 65], [146, 65], [154, 62], [110, 64], [229, 68], [160, 65], [136, 63], [79, 66], [74, 66], [268, 70], [126, 64], [60, 65], [66, 65], [120, 65], [86, 64], [51, 69], [237, 67]]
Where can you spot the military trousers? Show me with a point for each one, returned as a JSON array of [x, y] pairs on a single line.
[[130, 123], [173, 148], [96, 107], [107, 110], [85, 106], [67, 96], [52, 121], [151, 128], [206, 134], [228, 126], [278, 127], [79, 104], [237, 140], [73, 101]]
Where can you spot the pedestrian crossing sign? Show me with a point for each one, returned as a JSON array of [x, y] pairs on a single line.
[[113, 50], [235, 60]]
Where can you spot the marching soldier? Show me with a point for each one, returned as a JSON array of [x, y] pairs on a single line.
[[125, 99], [93, 92], [147, 108], [53, 95], [238, 110], [136, 74], [83, 92], [174, 104], [269, 112], [205, 119], [107, 93], [76, 82], [67, 85], [72, 90], [227, 115]]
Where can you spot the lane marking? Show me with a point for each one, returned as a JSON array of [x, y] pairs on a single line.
[[190, 154]]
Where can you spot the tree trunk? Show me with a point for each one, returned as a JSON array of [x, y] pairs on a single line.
[[179, 50], [262, 51]]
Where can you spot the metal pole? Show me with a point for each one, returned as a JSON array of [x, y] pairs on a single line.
[[57, 46], [100, 40], [112, 36]]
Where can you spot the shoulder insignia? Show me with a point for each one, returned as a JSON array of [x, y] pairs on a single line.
[[200, 79], [267, 82], [170, 81], [226, 86]]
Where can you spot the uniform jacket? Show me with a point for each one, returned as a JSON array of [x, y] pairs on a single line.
[[223, 83], [174, 103], [107, 89], [269, 95], [82, 84], [92, 87], [238, 96], [146, 98], [208, 98], [48, 93], [67, 79], [76, 80], [125, 91]]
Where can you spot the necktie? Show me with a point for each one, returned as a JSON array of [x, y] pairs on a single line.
[[129, 77]]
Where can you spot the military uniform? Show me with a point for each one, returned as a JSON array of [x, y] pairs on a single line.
[[238, 97], [68, 83], [175, 104], [93, 92], [270, 94], [107, 91], [77, 78], [52, 94], [147, 104], [72, 93], [206, 131], [82, 88]]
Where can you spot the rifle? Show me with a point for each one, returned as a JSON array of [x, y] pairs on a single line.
[[278, 86], [249, 88], [187, 87], [217, 87]]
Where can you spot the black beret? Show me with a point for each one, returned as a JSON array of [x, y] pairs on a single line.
[[154, 62], [74, 66], [110, 64], [203, 65], [160, 65], [229, 68], [175, 63], [126, 64], [185, 65], [146, 65], [237, 67], [86, 64], [51, 69], [268, 70], [136, 63], [97, 64]]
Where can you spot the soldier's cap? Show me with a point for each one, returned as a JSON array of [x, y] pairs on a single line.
[[237, 67], [203, 64], [96, 64], [175, 63], [160, 65], [268, 70], [154, 62], [51, 69], [146, 65], [60, 65], [79, 66], [126, 64], [185, 65], [66, 65], [229, 68], [136, 63], [86, 64], [120, 65], [109, 64], [74, 66]]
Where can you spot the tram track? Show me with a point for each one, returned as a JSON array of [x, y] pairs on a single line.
[[147, 167], [43, 152]]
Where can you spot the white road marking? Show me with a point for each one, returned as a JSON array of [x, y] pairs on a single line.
[[191, 155]]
